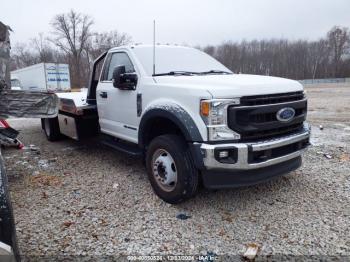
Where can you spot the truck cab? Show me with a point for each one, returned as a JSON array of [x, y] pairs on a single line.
[[190, 117], [15, 83]]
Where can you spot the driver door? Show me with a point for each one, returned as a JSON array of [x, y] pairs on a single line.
[[117, 108]]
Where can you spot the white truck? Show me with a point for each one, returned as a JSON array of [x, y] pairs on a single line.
[[44, 77], [190, 117]]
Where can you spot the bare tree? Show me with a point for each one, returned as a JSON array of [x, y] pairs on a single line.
[[72, 33], [210, 50], [318, 58], [338, 39], [42, 46], [22, 56], [299, 59], [77, 46], [101, 42]]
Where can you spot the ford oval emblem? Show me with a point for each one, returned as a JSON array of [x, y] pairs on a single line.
[[285, 114]]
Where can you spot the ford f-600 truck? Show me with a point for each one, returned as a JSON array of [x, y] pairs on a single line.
[[189, 116]]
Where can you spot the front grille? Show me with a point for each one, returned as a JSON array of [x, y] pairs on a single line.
[[265, 117], [271, 99], [272, 133], [254, 120]]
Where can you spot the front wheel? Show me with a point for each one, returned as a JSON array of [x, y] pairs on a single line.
[[170, 169]]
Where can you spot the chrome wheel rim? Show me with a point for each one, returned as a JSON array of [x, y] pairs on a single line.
[[164, 170]]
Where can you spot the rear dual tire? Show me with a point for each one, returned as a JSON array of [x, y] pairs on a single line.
[[51, 128], [171, 169]]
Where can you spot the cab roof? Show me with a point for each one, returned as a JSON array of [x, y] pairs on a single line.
[[148, 47]]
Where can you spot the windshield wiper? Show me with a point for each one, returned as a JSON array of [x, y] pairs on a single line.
[[215, 72], [173, 73]]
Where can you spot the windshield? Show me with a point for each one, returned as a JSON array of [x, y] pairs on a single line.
[[15, 82], [170, 59]]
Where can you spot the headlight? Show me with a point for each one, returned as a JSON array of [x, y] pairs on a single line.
[[214, 115], [304, 93]]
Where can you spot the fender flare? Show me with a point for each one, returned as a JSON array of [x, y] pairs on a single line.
[[180, 117]]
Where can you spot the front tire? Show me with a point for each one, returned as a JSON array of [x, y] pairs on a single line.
[[170, 169], [51, 128]]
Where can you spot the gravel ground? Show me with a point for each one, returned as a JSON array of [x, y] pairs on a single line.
[[74, 198]]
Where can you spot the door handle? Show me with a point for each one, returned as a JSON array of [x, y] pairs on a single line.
[[103, 94]]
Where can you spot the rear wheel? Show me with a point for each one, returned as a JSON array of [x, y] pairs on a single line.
[[51, 128], [170, 169]]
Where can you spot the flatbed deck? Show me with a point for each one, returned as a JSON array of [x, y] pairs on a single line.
[[74, 102]]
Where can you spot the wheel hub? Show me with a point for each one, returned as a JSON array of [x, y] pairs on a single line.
[[164, 169]]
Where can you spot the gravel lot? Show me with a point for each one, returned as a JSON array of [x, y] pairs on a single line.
[[75, 198]]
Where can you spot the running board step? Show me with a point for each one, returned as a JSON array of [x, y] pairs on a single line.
[[124, 147]]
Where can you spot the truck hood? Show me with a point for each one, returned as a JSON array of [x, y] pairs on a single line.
[[227, 86]]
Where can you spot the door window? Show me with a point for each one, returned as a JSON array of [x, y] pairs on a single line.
[[118, 59]]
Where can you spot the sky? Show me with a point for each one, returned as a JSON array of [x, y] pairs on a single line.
[[190, 22]]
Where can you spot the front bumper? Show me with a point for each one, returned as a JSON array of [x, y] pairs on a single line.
[[252, 163], [253, 157]]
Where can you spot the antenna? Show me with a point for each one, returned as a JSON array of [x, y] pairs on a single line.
[[154, 47]]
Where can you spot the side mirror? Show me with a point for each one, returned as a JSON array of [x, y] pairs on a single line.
[[122, 80]]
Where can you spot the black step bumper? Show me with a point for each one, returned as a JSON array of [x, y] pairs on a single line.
[[216, 179]]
